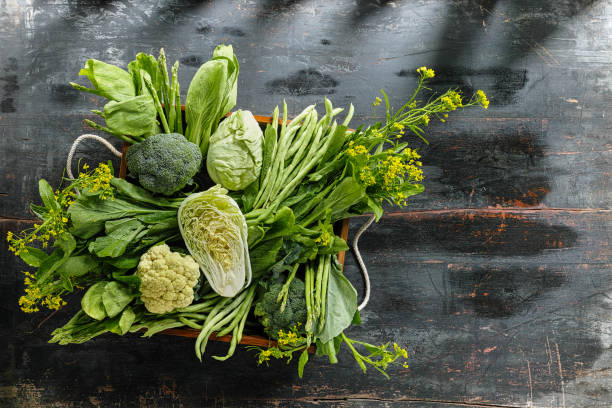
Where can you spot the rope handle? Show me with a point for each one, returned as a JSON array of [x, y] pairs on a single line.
[[365, 226], [76, 143], [362, 267]]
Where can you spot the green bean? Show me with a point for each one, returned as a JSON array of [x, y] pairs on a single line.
[[217, 317], [190, 323], [323, 296]]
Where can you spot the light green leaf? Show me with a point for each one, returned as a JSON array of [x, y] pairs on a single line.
[[135, 116], [115, 297], [92, 301], [341, 305], [127, 318], [108, 80]]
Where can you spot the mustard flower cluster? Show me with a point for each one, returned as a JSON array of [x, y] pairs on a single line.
[[36, 296], [385, 174], [55, 218], [287, 343]]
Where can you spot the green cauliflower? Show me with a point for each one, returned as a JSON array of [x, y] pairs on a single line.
[[267, 309], [164, 163]]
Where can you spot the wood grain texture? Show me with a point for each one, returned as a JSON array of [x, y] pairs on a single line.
[[497, 279]]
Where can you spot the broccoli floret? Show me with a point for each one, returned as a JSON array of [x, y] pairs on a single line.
[[267, 309], [164, 163]]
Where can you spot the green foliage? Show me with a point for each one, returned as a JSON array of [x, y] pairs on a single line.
[[164, 163]]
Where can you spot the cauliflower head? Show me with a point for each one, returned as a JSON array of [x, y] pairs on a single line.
[[167, 279]]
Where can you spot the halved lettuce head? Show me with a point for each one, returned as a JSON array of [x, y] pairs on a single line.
[[215, 233]]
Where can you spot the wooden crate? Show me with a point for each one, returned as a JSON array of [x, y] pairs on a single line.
[[341, 228]]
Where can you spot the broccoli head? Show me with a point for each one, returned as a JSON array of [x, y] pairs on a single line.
[[267, 309], [164, 163]]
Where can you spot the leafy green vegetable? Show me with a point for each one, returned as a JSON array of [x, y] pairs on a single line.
[[341, 305], [116, 297], [215, 233], [92, 303], [108, 80], [211, 95], [235, 151], [135, 116]]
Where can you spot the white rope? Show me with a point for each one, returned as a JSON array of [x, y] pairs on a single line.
[[364, 270], [75, 144]]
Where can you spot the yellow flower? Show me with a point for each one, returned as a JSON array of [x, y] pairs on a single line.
[[377, 101], [481, 97], [448, 103], [456, 98], [426, 73]]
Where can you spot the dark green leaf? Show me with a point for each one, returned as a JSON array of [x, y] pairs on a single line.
[[264, 255], [120, 235], [136, 193], [133, 281], [124, 262], [281, 225], [77, 265]]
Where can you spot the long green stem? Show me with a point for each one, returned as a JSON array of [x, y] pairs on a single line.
[[157, 103]]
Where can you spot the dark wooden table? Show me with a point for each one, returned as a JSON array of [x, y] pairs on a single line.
[[497, 279]]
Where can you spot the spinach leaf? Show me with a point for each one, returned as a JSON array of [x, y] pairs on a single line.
[[115, 297], [127, 319], [264, 255], [89, 213], [92, 303], [120, 234]]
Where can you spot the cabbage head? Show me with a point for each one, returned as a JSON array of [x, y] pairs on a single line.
[[235, 151], [215, 233]]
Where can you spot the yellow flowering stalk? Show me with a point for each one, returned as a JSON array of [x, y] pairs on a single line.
[[380, 357], [53, 216], [413, 116], [40, 289], [388, 169]]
